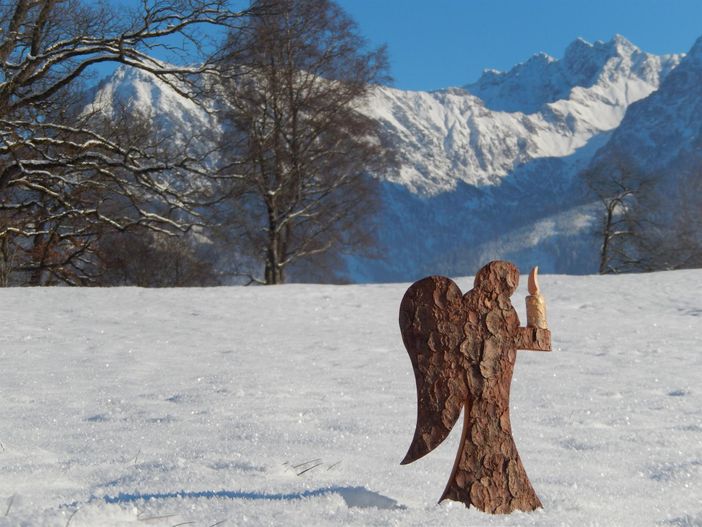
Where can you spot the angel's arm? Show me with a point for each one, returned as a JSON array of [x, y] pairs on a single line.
[[534, 339], [535, 336]]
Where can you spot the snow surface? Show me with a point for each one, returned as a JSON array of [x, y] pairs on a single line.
[[293, 405]]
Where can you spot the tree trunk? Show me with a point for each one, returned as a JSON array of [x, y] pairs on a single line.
[[606, 237], [273, 270], [273, 275]]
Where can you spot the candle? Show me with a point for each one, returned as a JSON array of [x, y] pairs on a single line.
[[535, 305]]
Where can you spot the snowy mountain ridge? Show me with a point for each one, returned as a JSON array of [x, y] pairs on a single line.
[[663, 125], [478, 183], [657, 153], [178, 121], [539, 109], [542, 79], [481, 166]]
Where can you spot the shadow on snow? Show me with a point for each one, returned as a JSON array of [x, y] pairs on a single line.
[[353, 496]]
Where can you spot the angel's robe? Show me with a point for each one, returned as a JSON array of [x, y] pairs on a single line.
[[463, 351]]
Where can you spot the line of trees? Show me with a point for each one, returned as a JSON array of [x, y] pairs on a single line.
[[87, 199], [648, 223], [68, 177]]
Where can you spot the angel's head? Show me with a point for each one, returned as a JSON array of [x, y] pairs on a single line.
[[498, 276]]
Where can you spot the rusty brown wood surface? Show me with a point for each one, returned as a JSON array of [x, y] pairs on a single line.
[[463, 350]]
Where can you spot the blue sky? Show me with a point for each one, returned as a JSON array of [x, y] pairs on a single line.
[[449, 42], [441, 43]]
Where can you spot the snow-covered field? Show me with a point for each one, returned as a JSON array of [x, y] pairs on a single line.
[[293, 405]]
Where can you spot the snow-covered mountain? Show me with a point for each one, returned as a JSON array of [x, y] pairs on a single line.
[[486, 170], [657, 152], [665, 128], [539, 109], [178, 119], [542, 79], [490, 170]]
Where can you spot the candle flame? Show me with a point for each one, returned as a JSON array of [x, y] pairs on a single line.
[[533, 281]]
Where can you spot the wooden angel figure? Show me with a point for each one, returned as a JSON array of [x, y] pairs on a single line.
[[463, 349]]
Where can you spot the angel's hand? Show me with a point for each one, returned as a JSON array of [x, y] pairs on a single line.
[[534, 339]]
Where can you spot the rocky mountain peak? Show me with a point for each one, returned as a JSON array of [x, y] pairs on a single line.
[[695, 53], [542, 79]]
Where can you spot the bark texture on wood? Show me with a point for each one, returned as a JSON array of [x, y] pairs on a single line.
[[463, 351]]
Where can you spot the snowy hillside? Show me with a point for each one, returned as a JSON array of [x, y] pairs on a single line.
[[293, 405], [479, 166]]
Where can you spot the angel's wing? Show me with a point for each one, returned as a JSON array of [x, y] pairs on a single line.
[[432, 319]]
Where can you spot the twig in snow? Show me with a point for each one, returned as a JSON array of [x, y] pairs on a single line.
[[71, 516], [307, 463], [9, 505], [136, 457], [308, 469], [218, 523], [333, 465], [152, 518], [184, 523]]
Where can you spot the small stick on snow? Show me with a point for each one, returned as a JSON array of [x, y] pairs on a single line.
[[308, 469], [71, 516], [307, 463], [152, 518]]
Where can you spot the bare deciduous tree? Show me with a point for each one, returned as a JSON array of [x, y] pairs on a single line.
[[64, 179], [616, 228], [621, 190], [295, 134], [651, 221]]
